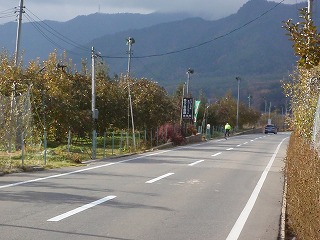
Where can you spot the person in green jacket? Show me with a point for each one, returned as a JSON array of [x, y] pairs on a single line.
[[227, 129]]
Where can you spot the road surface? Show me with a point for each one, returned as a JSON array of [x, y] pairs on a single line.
[[220, 189]]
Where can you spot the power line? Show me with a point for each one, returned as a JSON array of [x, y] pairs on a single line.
[[55, 33], [7, 13], [37, 27], [54, 43], [206, 42]]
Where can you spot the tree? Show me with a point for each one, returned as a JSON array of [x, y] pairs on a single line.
[[306, 40], [225, 111], [152, 104], [303, 89]]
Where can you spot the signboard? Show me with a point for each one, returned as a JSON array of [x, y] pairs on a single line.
[[187, 108], [196, 109]]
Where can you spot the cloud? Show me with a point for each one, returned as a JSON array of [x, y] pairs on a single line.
[[62, 10]]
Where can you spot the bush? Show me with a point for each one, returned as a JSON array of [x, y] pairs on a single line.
[[171, 133], [303, 195]]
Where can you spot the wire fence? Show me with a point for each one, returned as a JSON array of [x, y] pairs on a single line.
[[22, 145]]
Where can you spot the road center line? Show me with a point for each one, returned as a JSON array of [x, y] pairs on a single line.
[[192, 164], [214, 155], [238, 226], [159, 178], [80, 209]]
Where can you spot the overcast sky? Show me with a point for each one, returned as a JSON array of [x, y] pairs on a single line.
[[62, 10]]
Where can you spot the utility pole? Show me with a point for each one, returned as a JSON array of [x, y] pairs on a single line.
[[310, 8], [181, 113], [93, 107], [130, 41], [18, 33], [238, 100]]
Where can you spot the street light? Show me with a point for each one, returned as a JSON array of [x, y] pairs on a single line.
[[237, 124], [182, 103], [265, 105], [190, 71], [130, 41], [249, 98]]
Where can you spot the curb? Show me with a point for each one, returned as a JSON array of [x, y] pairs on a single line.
[[283, 213]]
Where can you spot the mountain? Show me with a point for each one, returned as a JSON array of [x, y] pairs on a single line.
[[250, 44], [51, 35]]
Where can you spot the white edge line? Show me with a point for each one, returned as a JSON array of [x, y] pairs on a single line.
[[159, 178], [238, 226], [79, 171], [80, 209], [214, 155], [192, 164]]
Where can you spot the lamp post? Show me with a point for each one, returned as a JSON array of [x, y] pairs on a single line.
[[94, 111], [237, 123], [270, 110], [181, 112], [189, 72], [130, 41], [265, 105]]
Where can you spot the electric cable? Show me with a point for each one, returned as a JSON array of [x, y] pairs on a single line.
[[203, 43], [55, 33], [7, 13], [38, 27]]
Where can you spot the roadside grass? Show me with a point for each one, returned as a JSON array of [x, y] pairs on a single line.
[[303, 189], [58, 156]]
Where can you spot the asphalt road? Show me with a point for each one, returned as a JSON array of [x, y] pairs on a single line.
[[221, 189]]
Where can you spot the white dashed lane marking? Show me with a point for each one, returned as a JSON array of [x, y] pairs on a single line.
[[214, 155]]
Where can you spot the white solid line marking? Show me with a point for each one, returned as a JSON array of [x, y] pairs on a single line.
[[238, 226], [228, 149], [159, 178], [80, 171], [80, 209], [214, 155], [192, 164]]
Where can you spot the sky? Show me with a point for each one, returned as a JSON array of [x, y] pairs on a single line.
[[63, 10]]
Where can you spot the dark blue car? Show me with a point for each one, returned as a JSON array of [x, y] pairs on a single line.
[[270, 128]]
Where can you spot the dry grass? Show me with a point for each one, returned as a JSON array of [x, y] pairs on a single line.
[[303, 196]]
